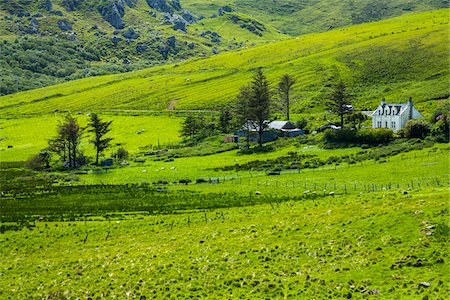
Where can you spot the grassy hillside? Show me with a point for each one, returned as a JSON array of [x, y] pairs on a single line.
[[49, 41], [396, 58], [73, 40], [306, 16]]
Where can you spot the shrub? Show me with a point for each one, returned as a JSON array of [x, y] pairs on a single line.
[[373, 136], [121, 154], [40, 161], [441, 130], [417, 129], [344, 135]]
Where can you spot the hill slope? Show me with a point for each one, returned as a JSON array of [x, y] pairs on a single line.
[[51, 41], [397, 58]]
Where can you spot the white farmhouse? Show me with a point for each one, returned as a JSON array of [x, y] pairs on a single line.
[[394, 116]]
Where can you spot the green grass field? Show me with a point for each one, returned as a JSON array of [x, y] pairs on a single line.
[[208, 221], [386, 244]]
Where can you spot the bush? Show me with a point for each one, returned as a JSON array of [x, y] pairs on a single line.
[[373, 136], [121, 154], [39, 162], [363, 136], [417, 129], [344, 135]]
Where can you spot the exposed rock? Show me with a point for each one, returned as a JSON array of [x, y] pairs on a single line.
[[71, 5], [114, 12], [130, 34], [115, 39], [64, 25], [160, 5], [176, 4], [225, 8], [188, 16], [58, 13], [141, 48], [48, 5], [171, 41], [191, 46], [178, 23], [424, 284]]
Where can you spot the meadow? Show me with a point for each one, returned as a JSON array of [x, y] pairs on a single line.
[[387, 244], [301, 219]]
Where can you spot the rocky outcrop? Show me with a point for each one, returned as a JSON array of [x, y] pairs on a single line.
[[114, 12], [161, 5], [225, 8], [130, 34], [71, 5], [48, 5], [179, 23], [64, 25], [251, 25], [174, 13]]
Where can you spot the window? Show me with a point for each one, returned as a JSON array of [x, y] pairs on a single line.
[[378, 124], [386, 124], [393, 124]]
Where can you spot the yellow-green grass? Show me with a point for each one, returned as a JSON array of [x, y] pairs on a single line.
[[28, 136], [349, 247], [419, 168], [205, 83]]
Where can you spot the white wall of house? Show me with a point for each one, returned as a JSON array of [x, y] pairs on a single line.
[[394, 116]]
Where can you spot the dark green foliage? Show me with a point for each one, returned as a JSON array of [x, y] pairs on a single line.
[[371, 136], [441, 124], [344, 135], [121, 154], [374, 136], [356, 118], [225, 120], [339, 101], [417, 129], [253, 103], [191, 126], [40, 161], [372, 11], [66, 143], [284, 90], [442, 233], [99, 128], [302, 123]]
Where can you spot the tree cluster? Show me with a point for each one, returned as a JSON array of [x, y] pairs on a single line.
[[66, 144]]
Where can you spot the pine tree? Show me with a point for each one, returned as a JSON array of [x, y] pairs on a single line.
[[339, 101], [99, 128], [284, 90]]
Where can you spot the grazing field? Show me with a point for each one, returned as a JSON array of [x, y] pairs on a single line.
[[386, 244]]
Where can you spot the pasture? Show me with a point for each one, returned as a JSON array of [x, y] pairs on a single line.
[[387, 244]]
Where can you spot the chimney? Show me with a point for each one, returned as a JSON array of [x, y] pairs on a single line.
[[411, 107], [383, 102]]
